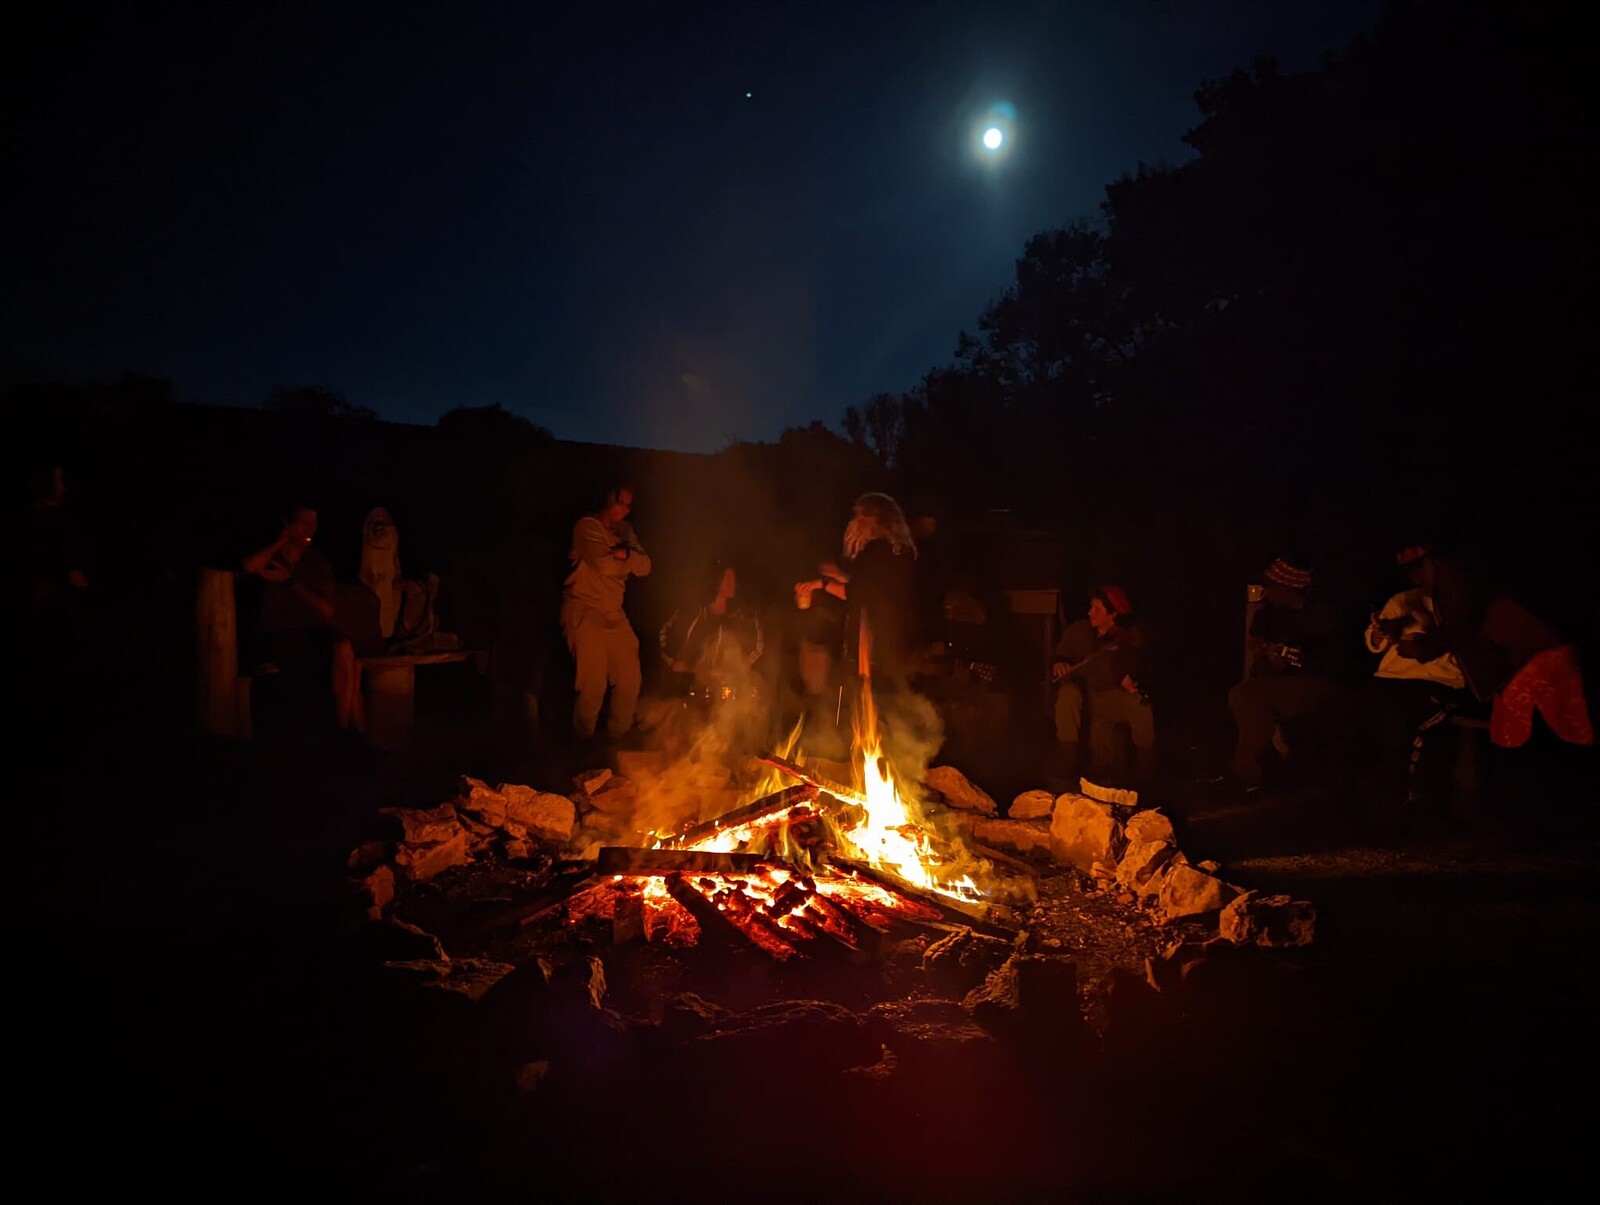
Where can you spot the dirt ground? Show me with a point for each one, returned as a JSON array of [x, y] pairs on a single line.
[[196, 1010]]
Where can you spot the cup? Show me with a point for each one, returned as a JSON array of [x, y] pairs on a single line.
[[1255, 592], [802, 598]]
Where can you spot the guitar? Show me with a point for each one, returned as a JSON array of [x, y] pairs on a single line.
[[940, 664], [1290, 654], [1137, 692]]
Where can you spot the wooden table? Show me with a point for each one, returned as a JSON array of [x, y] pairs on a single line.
[[389, 683]]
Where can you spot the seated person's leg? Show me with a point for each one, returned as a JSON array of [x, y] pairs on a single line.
[[1069, 727], [1110, 708], [1254, 718]]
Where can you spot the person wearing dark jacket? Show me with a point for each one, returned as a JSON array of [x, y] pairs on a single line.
[[712, 645], [1097, 663], [876, 586], [1295, 661]]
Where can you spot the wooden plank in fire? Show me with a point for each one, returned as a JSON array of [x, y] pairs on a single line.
[[554, 895], [795, 770], [714, 924], [868, 940], [749, 813], [647, 863], [822, 941], [971, 915]]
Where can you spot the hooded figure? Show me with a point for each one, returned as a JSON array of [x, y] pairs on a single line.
[[380, 566]]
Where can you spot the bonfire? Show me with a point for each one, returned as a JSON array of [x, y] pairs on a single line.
[[805, 864]]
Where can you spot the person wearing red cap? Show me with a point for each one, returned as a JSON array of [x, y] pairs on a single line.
[[1097, 666]]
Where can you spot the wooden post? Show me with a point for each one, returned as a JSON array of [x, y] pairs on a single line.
[[1045, 604], [222, 701], [1252, 604], [391, 702]]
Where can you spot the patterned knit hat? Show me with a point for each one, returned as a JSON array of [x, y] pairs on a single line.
[[1413, 553], [1284, 572]]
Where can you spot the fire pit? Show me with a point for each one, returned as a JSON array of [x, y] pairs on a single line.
[[810, 868]]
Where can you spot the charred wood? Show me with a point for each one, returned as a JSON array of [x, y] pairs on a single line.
[[717, 925], [749, 813], [973, 915], [551, 897], [628, 860]]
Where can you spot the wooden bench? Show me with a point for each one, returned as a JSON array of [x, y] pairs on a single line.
[[223, 705]]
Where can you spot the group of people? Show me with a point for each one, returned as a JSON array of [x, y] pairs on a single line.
[[1441, 648], [1436, 648], [856, 612], [313, 629], [1444, 647]]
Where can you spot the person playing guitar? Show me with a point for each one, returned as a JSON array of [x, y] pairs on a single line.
[[1293, 644], [1097, 668]]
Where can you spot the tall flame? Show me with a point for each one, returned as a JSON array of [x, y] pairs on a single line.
[[892, 837]]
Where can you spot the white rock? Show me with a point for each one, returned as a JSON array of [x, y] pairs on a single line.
[[1083, 832], [958, 791], [1031, 805], [542, 815], [1150, 825]]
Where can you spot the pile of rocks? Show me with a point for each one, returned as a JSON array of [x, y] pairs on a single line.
[[1128, 850]]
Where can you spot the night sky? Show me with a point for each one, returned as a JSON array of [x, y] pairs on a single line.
[[581, 217]]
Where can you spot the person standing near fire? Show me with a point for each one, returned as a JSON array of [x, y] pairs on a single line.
[[713, 644], [876, 586], [605, 554]]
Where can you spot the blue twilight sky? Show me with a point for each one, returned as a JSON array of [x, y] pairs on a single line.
[[574, 211]]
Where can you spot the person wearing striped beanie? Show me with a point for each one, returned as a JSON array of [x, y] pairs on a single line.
[[1294, 655]]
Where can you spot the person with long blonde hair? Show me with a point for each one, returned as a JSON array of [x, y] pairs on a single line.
[[875, 583]]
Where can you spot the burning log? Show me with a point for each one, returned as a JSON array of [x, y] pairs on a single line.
[[867, 939], [749, 914], [822, 939], [628, 917], [791, 896], [827, 785], [749, 813], [625, 860], [715, 923], [972, 915]]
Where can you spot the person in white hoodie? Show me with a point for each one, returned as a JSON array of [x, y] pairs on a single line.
[[1414, 698], [605, 553]]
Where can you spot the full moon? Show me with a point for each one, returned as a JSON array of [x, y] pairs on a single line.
[[992, 138]]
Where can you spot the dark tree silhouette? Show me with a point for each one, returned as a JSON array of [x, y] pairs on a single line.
[[492, 425], [315, 402], [1369, 270], [879, 426]]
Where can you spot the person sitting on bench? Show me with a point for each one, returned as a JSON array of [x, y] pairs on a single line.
[[1097, 664], [1294, 660], [1412, 699], [299, 610]]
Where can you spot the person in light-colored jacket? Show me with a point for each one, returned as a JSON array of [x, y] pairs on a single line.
[[605, 553]]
